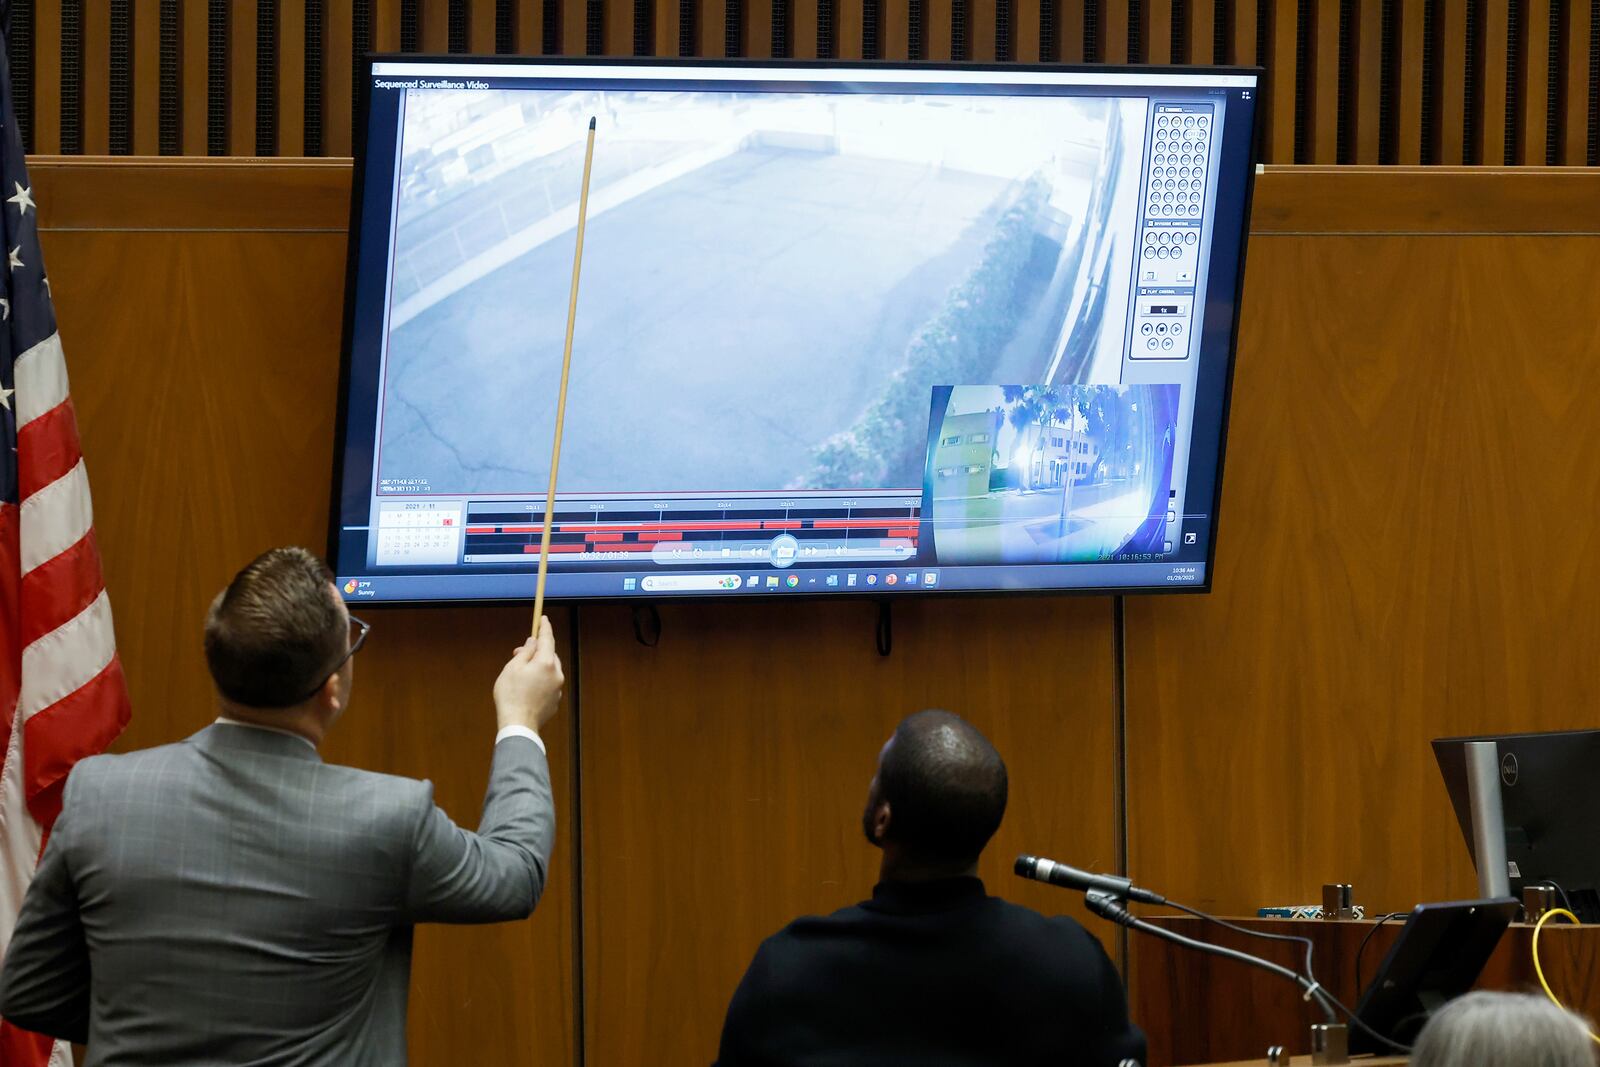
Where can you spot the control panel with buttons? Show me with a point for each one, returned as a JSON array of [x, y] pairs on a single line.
[[1161, 326], [1168, 267]]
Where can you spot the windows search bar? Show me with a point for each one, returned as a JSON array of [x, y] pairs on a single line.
[[691, 583]]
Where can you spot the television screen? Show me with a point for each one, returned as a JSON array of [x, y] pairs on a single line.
[[842, 329]]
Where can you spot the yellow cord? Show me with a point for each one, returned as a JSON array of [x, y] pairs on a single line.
[[1538, 970]]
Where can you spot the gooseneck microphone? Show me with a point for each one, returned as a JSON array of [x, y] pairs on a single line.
[[1059, 874], [1105, 895]]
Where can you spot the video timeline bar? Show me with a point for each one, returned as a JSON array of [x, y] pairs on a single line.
[[776, 536]]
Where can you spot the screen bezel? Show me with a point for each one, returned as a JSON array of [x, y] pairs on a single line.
[[358, 185]]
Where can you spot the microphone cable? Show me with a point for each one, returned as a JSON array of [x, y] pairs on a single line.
[[1113, 909], [1310, 977]]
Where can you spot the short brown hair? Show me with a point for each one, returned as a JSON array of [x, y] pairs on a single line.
[[275, 631]]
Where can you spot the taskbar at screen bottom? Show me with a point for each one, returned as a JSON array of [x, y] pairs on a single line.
[[750, 582]]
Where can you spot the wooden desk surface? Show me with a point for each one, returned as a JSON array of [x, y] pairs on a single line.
[[1197, 1008]]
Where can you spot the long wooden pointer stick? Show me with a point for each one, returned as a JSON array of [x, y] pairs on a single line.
[[561, 399]]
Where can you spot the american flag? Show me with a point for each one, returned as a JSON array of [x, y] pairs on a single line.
[[62, 695]]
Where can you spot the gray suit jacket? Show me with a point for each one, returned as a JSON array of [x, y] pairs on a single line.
[[232, 899]]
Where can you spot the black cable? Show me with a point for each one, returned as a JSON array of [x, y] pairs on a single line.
[[1109, 907], [1226, 925], [1363, 946], [1309, 982], [646, 625]]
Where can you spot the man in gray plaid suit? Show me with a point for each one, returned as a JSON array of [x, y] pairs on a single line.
[[231, 899]]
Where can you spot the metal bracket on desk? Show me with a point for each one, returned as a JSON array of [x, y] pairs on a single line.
[[1330, 1043]]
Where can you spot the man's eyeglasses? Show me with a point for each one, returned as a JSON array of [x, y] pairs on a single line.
[[358, 637]]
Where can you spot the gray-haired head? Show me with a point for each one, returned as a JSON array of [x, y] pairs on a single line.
[[1503, 1030]]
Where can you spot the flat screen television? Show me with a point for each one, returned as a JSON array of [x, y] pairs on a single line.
[[842, 329]]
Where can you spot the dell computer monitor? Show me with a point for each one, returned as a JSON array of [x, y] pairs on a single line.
[[1550, 798], [842, 329]]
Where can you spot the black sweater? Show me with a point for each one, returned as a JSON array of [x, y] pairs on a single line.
[[935, 974]]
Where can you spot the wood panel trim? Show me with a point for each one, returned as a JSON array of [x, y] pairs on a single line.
[[177, 194], [1441, 200], [197, 193]]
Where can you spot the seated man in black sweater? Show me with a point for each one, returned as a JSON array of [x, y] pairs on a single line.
[[932, 971]]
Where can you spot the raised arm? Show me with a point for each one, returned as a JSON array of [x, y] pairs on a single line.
[[499, 872]]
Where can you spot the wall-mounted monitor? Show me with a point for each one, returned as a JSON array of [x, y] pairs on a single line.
[[842, 328]]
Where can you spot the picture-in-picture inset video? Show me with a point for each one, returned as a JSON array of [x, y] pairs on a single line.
[[1050, 474]]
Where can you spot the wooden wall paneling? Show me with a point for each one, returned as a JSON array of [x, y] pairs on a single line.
[[730, 780], [1025, 23], [96, 79], [238, 390], [47, 77], [1202, 18], [1323, 112], [244, 394], [529, 27], [1243, 43], [337, 84], [1498, 56], [242, 80], [1367, 57], [1113, 29], [1410, 101], [386, 24], [146, 77], [666, 28], [896, 20], [503, 989], [1278, 139], [618, 27], [803, 21], [713, 26], [1535, 92], [849, 13], [1580, 30], [758, 29], [937, 31], [1069, 28], [182, 194], [435, 26], [574, 27], [1158, 32], [291, 78], [1486, 77], [981, 29], [1453, 73], [480, 27], [1377, 589], [1425, 200]]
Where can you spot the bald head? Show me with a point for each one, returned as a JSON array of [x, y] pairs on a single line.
[[945, 788]]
